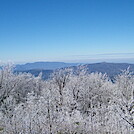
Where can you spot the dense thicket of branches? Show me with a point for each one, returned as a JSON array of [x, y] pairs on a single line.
[[66, 104]]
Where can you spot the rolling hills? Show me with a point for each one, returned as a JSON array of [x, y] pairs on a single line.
[[47, 68]]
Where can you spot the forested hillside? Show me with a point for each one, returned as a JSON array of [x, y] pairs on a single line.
[[86, 103]]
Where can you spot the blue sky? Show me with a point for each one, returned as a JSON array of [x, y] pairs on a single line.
[[67, 30]]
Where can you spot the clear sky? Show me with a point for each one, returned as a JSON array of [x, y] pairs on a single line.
[[66, 30]]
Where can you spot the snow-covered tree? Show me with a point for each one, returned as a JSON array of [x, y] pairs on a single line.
[[68, 103]]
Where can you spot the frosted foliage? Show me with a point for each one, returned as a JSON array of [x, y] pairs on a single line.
[[68, 103]]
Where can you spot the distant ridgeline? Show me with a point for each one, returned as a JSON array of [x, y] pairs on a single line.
[[111, 69], [47, 68]]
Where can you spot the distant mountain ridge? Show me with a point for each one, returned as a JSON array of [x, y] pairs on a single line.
[[111, 69], [43, 66], [47, 68]]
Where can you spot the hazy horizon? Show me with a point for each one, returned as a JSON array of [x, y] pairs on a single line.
[[96, 58]]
